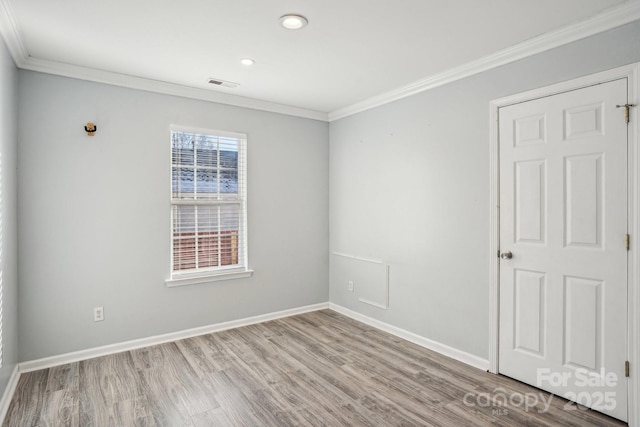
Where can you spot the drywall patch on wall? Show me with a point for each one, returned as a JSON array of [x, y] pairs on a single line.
[[367, 278]]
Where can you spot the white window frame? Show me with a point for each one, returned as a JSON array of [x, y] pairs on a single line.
[[212, 274]]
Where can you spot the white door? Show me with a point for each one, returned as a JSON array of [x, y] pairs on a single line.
[[563, 219]]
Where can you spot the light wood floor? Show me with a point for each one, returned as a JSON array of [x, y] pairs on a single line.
[[315, 369]]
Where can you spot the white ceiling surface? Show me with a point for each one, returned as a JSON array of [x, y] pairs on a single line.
[[351, 50]]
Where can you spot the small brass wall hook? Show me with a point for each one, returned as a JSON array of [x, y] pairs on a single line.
[[90, 128]]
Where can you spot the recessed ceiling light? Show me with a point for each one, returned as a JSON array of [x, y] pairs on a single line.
[[293, 22], [247, 61]]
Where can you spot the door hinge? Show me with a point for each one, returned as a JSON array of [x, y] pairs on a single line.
[[626, 369], [628, 242], [626, 111]]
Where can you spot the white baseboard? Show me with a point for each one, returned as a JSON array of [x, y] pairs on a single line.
[[8, 393], [443, 349], [62, 359], [48, 362]]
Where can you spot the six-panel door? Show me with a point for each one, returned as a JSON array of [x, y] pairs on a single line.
[[563, 215]]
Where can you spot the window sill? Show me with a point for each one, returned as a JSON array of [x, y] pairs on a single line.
[[206, 278]]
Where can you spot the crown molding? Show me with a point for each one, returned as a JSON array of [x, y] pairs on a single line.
[[10, 31], [615, 17], [141, 83], [11, 34]]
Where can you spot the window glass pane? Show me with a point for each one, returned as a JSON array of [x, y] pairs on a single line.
[[208, 236], [207, 150], [184, 237], [184, 220], [207, 183], [182, 148], [229, 181], [229, 248], [229, 234], [208, 251], [229, 153], [182, 182], [184, 254], [207, 219], [229, 217]]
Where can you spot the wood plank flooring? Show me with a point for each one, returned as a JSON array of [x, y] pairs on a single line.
[[315, 369]]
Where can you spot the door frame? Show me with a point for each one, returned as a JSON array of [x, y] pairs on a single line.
[[632, 73]]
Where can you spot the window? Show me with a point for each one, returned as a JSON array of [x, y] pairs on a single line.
[[208, 206]]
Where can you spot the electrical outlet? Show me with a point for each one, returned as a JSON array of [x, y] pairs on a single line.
[[350, 286], [98, 314]]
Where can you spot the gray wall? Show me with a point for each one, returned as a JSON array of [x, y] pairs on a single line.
[[8, 213], [409, 184], [94, 215]]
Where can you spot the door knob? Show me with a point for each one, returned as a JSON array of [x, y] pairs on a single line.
[[506, 255]]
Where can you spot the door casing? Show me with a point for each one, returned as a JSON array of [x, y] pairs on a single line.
[[632, 73]]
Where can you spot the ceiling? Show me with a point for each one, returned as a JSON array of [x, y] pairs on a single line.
[[350, 52]]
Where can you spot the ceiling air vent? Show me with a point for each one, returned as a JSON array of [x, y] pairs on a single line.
[[224, 83]]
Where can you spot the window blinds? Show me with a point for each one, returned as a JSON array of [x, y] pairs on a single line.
[[208, 201]]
